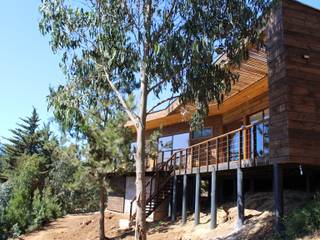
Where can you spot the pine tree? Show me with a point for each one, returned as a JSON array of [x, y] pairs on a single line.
[[25, 139]]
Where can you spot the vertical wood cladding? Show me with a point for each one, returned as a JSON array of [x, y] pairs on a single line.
[[293, 46], [117, 195]]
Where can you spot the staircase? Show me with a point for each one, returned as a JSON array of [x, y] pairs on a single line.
[[158, 188]]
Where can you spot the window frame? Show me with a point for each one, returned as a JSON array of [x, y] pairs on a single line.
[[201, 137]]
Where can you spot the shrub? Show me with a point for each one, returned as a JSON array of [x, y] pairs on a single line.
[[304, 220], [44, 208], [5, 193]]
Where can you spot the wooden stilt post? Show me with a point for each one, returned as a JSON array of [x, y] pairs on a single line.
[[240, 197], [197, 199], [278, 196], [213, 222], [174, 198], [184, 200]]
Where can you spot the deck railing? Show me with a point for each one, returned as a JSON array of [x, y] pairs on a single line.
[[249, 144]]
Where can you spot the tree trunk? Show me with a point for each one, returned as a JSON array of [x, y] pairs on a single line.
[[102, 209], [141, 229], [140, 233]]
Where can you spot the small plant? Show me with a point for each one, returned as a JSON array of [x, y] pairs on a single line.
[[304, 220]]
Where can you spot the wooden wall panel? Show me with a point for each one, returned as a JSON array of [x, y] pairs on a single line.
[[117, 194], [293, 47], [251, 106]]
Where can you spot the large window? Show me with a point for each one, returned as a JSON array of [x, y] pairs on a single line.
[[202, 133], [261, 133], [169, 144]]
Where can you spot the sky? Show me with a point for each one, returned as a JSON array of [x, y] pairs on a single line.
[[27, 65]]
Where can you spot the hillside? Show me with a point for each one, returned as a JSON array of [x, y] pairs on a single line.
[[258, 223]]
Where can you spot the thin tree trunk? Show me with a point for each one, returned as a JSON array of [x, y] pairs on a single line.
[[141, 227], [140, 233], [102, 209]]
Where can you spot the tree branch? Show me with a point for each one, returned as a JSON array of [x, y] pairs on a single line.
[[162, 102], [156, 85], [131, 115]]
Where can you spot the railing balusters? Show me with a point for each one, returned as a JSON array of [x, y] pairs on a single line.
[[254, 129], [199, 150], [245, 147], [240, 146], [217, 152], [228, 152], [191, 159], [207, 156], [186, 163]]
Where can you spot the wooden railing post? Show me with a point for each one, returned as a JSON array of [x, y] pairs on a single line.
[[254, 151], [207, 156], [240, 146], [199, 155], [180, 160], [245, 147], [162, 158], [228, 152], [186, 163], [217, 153], [191, 159]]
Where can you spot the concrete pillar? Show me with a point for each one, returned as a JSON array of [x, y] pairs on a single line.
[[184, 200], [197, 199], [240, 198], [278, 196], [213, 222], [174, 199]]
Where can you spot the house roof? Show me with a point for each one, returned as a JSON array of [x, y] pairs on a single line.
[[252, 72]]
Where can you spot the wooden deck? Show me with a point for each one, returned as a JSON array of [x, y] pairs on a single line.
[[247, 146]]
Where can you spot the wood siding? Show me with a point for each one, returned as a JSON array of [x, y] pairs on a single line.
[[117, 195], [293, 46]]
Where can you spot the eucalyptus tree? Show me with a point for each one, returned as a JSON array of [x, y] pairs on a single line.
[[85, 110], [156, 47]]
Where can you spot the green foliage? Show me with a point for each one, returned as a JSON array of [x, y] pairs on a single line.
[[304, 220], [5, 194], [24, 182], [25, 139], [44, 208], [176, 46], [42, 185], [84, 192]]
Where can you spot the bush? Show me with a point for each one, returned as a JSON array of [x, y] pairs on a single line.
[[5, 193], [44, 208], [304, 220]]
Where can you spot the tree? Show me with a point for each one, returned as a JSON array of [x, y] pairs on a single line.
[[85, 111], [25, 139], [156, 46]]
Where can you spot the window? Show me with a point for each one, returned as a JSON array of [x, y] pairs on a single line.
[[169, 144], [261, 134], [133, 150], [202, 133]]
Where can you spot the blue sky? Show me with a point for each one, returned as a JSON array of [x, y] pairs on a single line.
[[27, 65]]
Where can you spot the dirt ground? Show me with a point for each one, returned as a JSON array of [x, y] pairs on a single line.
[[258, 224]]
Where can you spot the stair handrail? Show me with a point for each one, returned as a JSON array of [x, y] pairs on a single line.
[[159, 168]]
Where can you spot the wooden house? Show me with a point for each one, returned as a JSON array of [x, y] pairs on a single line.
[[267, 130]]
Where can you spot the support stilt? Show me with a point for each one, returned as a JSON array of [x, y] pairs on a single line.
[[240, 197], [174, 199], [184, 200], [213, 222], [197, 199]]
